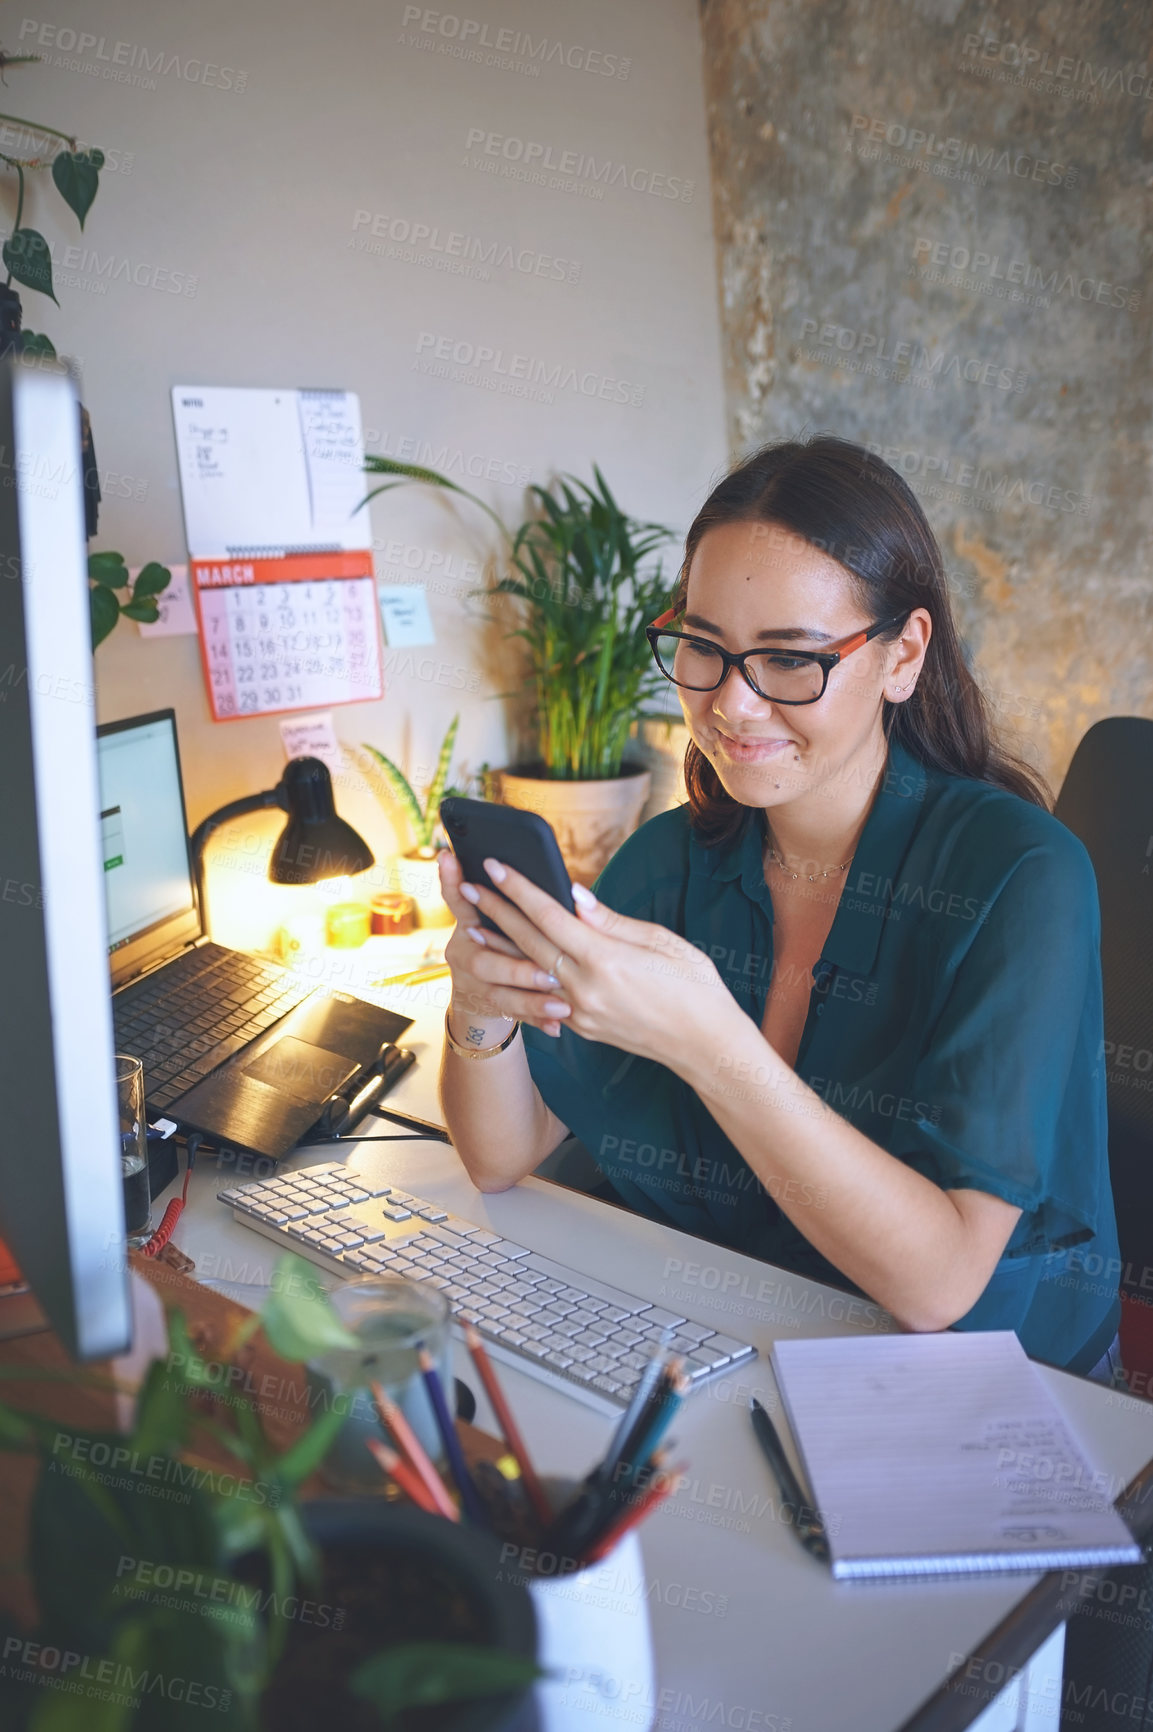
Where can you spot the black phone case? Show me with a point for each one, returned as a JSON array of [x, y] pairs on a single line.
[[524, 840]]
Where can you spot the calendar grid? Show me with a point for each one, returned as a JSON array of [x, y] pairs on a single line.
[[278, 636]]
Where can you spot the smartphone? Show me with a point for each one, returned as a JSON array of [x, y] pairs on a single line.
[[523, 840]]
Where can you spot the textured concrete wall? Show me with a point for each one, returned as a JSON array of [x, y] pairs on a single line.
[[934, 235]]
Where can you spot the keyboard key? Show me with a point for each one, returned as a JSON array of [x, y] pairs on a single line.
[[432, 1214], [659, 1318], [392, 1213], [723, 1346]]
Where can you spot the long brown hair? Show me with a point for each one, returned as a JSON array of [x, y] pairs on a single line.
[[849, 503]]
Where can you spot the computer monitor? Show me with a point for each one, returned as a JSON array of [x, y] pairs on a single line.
[[149, 894], [61, 1195]]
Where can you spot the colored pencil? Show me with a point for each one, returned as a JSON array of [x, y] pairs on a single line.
[[508, 1425], [473, 1508], [602, 1474], [630, 1515], [414, 977], [406, 1477], [407, 1442]]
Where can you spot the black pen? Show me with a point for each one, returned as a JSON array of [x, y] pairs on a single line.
[[810, 1528]]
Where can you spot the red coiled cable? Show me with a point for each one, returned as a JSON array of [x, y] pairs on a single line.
[[175, 1209]]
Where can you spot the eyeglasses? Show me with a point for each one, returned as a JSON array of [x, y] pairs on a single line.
[[784, 676]]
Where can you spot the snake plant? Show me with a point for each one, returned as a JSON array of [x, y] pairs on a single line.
[[422, 819]]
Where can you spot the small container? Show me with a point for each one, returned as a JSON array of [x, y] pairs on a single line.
[[133, 1149], [347, 926], [391, 1317], [393, 914], [593, 1633]]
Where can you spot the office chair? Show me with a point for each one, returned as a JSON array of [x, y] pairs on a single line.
[[1107, 800]]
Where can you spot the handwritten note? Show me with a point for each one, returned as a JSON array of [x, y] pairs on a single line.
[[313, 737], [942, 1453], [264, 472], [404, 611]]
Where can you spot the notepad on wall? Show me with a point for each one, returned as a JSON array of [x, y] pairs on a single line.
[[938, 1454]]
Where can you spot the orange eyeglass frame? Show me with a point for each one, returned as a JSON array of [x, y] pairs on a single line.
[[826, 660]]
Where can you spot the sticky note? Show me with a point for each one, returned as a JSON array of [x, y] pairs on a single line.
[[313, 737], [405, 615]]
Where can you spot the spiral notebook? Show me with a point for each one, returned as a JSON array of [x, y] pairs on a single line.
[[944, 1454]]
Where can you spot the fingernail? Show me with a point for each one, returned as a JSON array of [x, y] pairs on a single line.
[[552, 1028], [476, 934], [495, 871], [556, 1007], [582, 897], [540, 978], [470, 892]]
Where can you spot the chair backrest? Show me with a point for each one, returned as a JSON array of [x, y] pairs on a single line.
[[1107, 800]]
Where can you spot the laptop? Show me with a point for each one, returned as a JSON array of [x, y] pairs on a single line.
[[234, 1046]]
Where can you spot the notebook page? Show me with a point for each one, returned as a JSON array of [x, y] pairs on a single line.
[[943, 1452]]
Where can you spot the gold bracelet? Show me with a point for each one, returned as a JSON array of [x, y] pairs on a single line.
[[481, 1052]]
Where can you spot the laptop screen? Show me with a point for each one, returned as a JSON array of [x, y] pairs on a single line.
[[148, 889]]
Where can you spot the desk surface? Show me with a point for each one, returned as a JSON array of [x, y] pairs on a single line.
[[741, 1615]]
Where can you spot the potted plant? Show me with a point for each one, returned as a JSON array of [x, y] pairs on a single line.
[[415, 871], [583, 587], [28, 258], [172, 1586], [112, 592]]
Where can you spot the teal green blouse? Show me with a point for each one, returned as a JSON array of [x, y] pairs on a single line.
[[955, 1019]]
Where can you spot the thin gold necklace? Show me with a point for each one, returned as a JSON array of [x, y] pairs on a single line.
[[810, 877]]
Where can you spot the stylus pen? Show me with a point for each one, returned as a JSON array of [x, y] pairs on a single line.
[[469, 1497], [810, 1528]]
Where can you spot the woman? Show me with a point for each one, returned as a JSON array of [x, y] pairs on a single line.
[[843, 1010]]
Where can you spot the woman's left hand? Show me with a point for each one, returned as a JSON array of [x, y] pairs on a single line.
[[630, 983]]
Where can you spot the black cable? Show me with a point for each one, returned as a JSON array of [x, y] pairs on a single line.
[[355, 1137]]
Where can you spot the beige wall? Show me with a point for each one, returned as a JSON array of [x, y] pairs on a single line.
[[243, 141]]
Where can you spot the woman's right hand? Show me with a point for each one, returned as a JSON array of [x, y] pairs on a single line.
[[491, 977]]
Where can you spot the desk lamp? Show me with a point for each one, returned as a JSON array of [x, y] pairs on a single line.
[[314, 844]]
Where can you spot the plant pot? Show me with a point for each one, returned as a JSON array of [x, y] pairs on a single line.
[[416, 874], [393, 1574], [661, 745], [591, 819]]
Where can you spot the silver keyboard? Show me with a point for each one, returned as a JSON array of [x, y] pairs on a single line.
[[560, 1326]]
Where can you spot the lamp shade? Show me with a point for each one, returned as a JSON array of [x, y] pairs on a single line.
[[315, 843]]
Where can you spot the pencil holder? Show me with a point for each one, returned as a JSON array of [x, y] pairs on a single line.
[[593, 1634]]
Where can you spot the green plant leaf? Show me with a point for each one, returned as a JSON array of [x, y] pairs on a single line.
[[104, 610], [399, 785], [309, 1451], [418, 1674], [431, 477], [28, 259], [162, 1411], [108, 568], [297, 1317], [36, 343], [146, 611], [77, 177], [151, 580], [436, 786]]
